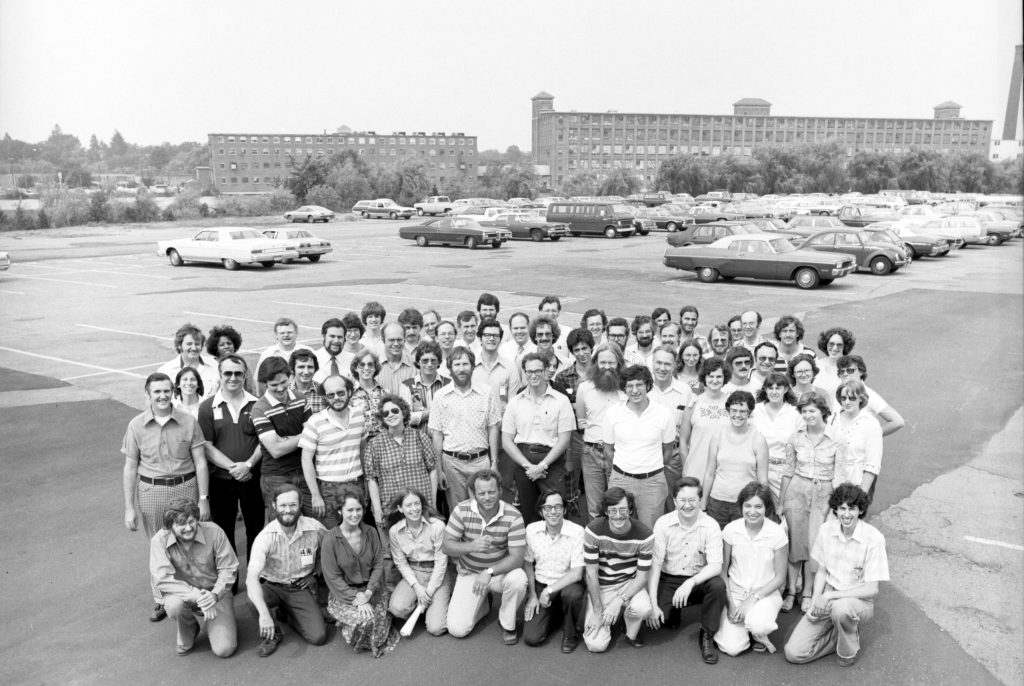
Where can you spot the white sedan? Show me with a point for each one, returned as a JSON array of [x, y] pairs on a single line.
[[5, 261], [232, 246], [309, 214], [302, 241]]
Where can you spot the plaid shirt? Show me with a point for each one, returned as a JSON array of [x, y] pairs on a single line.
[[314, 396], [854, 561], [396, 466]]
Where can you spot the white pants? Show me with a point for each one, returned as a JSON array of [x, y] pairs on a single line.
[[733, 639], [596, 635], [466, 608]]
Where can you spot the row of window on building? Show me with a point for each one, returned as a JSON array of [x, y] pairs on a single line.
[[278, 165], [351, 140], [703, 121], [321, 152], [782, 136], [641, 164]]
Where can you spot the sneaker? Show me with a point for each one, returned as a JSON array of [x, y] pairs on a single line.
[[758, 647], [510, 637], [158, 614], [708, 650], [846, 661], [269, 645]]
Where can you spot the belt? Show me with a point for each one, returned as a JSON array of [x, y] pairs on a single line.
[[533, 447], [292, 585], [466, 457], [428, 564], [648, 475], [169, 481], [815, 481], [593, 444]]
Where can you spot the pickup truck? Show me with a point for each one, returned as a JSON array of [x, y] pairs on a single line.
[[435, 204]]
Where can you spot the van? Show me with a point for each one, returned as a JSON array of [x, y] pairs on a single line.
[[593, 218]]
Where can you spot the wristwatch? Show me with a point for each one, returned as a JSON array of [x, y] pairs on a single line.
[[490, 570]]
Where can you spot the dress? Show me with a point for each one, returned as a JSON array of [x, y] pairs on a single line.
[[777, 433], [708, 416]]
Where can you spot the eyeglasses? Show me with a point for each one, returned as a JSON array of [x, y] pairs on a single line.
[[849, 398], [835, 346], [366, 365], [533, 372], [544, 336], [390, 411], [232, 374], [762, 358], [617, 511], [687, 501], [741, 363], [429, 360], [490, 335], [849, 371], [394, 340], [552, 508], [336, 394]]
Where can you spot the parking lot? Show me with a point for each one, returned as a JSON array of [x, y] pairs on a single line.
[[89, 312]]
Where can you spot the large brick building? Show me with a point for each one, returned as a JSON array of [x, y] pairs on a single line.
[[257, 162], [569, 142]]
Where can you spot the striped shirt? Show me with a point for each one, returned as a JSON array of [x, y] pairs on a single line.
[[285, 419], [335, 446], [391, 375], [502, 531], [618, 556], [419, 395]]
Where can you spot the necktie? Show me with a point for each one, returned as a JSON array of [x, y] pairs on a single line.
[[334, 366]]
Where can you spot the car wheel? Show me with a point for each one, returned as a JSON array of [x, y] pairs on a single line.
[[672, 227], [806, 278], [707, 274], [911, 253], [555, 239], [366, 215], [995, 239], [419, 211], [315, 258], [175, 258], [472, 242], [643, 233], [881, 266], [230, 264], [422, 241], [392, 215], [728, 278], [495, 244], [825, 282], [309, 219], [536, 235], [576, 234], [268, 264], [610, 232]]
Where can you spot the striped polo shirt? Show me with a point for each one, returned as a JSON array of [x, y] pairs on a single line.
[[285, 419], [336, 446], [618, 556], [504, 530]]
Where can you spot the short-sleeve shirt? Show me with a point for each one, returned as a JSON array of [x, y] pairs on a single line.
[[286, 419], [812, 458], [752, 563], [465, 417], [552, 558], [684, 552], [395, 465], [678, 394], [618, 556], [638, 438], [860, 447], [162, 450], [854, 561], [538, 421], [336, 447], [390, 376], [591, 407], [232, 434], [504, 530], [288, 558]]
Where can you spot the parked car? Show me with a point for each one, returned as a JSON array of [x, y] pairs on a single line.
[[664, 219], [881, 258], [310, 214], [435, 204], [302, 241], [593, 218], [232, 246], [5, 261], [382, 208], [759, 256], [918, 245], [455, 231], [479, 212], [999, 229], [807, 224], [768, 223], [968, 228], [528, 225], [862, 215], [705, 234], [702, 214]]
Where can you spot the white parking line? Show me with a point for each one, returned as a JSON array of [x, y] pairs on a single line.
[[77, 364], [77, 283], [65, 270], [12, 292], [127, 333], [85, 376], [242, 319], [319, 307], [988, 541]]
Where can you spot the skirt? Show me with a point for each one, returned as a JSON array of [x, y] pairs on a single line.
[[374, 634]]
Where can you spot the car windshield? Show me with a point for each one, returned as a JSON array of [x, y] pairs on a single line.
[[781, 245], [245, 234], [621, 209], [302, 233]]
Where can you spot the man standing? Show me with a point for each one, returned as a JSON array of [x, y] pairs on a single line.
[[687, 567], [286, 332], [789, 332], [332, 443], [765, 355], [412, 326], [675, 396], [595, 321], [554, 572], [331, 358], [594, 396], [193, 566], [751, 323], [740, 363], [581, 344], [851, 555], [163, 449], [188, 343], [468, 322], [854, 367], [487, 539], [419, 390], [535, 432], [642, 347], [618, 332], [617, 550], [304, 366], [491, 368], [639, 439], [670, 335], [520, 343], [464, 425], [689, 317], [373, 314], [278, 417], [394, 368], [280, 575], [233, 451], [544, 332], [487, 306], [551, 307]]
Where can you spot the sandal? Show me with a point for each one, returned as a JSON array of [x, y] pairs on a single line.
[[787, 601], [805, 604]]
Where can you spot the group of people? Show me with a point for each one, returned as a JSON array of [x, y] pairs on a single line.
[[415, 467]]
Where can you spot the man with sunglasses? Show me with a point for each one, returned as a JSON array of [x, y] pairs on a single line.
[[740, 362], [332, 445]]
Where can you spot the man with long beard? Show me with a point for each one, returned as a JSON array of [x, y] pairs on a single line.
[[594, 396]]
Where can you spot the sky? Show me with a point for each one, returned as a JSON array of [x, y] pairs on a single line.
[[176, 71]]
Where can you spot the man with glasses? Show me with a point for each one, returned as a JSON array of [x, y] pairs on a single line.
[[491, 368], [233, 451], [641, 349], [765, 355], [535, 431], [554, 570], [853, 367], [639, 438], [740, 362], [750, 323], [394, 368], [419, 390], [618, 332], [332, 444], [686, 568]]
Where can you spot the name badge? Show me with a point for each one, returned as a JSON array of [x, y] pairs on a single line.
[[218, 414]]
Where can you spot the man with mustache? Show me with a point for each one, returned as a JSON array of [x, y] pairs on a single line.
[[593, 398], [332, 357]]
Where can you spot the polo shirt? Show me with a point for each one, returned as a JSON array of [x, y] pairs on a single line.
[[208, 563], [287, 558], [162, 450], [504, 530], [552, 558], [684, 552], [231, 433], [752, 562], [335, 446], [854, 561], [285, 419], [541, 421], [618, 556], [637, 438]]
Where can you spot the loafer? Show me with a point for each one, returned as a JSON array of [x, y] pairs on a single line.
[[269, 645], [708, 650], [187, 650], [846, 661], [637, 642], [158, 614], [570, 643], [510, 637]]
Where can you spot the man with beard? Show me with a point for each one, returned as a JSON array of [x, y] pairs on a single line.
[[464, 425], [304, 368], [675, 396], [188, 343], [487, 306], [593, 398], [670, 335], [519, 344], [278, 417], [689, 317], [789, 334], [331, 358], [642, 347], [163, 449], [750, 321], [718, 342], [617, 332], [280, 576], [194, 567], [639, 439], [394, 368], [332, 445]]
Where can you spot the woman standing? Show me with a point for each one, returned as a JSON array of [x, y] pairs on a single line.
[[806, 487], [188, 390], [702, 420], [777, 418], [223, 340], [860, 438], [688, 366], [834, 343], [803, 370], [352, 560], [416, 549], [364, 369], [737, 456], [754, 553]]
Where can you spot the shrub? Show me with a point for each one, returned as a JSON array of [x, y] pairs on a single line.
[[167, 215], [281, 199], [42, 221], [67, 208], [186, 205], [99, 206], [22, 219]]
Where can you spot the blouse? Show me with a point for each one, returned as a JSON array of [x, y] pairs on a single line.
[[347, 571]]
